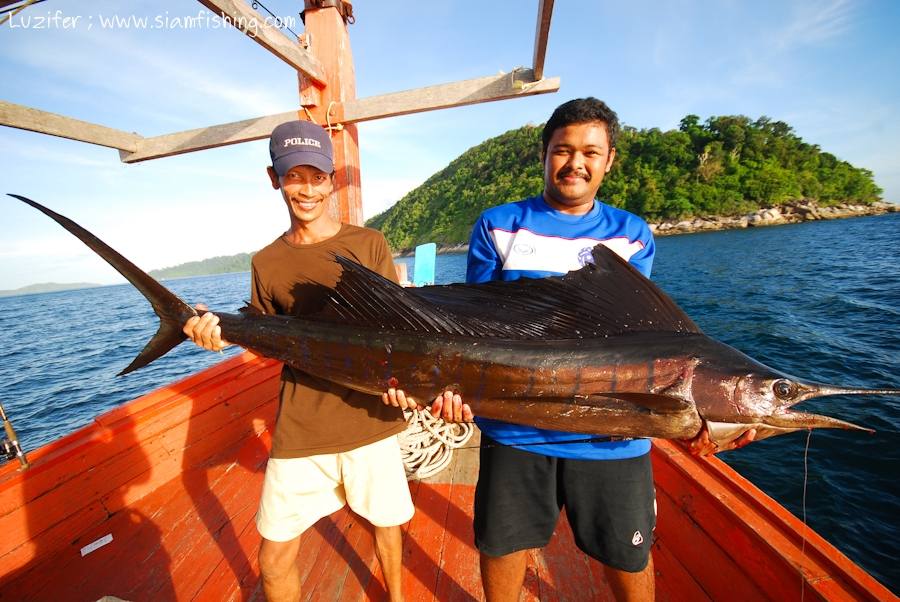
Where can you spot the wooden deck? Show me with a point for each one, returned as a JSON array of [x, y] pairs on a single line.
[[174, 478], [194, 538]]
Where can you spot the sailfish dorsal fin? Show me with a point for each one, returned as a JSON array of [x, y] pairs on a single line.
[[368, 299], [608, 297]]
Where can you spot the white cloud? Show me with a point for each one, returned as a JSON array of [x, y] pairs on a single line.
[[769, 57], [815, 23]]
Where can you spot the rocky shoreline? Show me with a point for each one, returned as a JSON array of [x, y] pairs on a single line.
[[789, 213]]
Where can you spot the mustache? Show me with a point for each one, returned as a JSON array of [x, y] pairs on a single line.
[[567, 171]]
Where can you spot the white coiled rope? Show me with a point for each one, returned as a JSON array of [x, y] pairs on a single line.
[[427, 444]]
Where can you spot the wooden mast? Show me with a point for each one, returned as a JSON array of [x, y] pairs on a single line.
[[328, 40]]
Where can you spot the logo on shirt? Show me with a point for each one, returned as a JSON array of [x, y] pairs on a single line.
[[637, 539], [528, 251], [585, 257]]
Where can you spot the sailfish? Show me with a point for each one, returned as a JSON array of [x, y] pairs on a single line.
[[601, 350]]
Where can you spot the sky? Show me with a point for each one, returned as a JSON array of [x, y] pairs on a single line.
[[826, 67]]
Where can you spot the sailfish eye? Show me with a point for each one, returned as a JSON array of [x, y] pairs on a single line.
[[784, 389]]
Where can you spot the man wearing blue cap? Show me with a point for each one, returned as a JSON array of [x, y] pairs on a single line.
[[332, 446]]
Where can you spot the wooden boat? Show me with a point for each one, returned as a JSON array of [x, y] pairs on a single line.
[[170, 482], [155, 500]]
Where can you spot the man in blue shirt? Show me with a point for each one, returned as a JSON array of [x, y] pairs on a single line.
[[606, 486]]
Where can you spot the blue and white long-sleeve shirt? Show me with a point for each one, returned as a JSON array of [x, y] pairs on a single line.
[[529, 239]]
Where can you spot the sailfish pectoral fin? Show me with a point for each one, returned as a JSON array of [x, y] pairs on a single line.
[[644, 416], [647, 402]]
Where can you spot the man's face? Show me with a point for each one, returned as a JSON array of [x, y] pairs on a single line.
[[306, 191], [578, 156]]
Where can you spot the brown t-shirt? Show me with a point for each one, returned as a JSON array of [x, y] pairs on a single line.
[[316, 416]]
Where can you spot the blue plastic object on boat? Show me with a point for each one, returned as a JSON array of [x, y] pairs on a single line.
[[423, 269]]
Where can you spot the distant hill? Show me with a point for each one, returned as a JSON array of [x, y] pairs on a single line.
[[47, 287], [725, 166], [223, 264], [214, 265]]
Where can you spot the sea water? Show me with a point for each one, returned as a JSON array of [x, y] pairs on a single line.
[[818, 300]]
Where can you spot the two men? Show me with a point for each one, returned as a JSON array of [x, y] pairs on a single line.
[[606, 487]]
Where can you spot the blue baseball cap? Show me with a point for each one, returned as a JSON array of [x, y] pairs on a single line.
[[300, 143]]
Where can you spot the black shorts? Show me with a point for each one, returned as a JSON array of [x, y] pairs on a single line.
[[610, 504]]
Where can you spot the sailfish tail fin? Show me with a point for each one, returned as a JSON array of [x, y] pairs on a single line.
[[172, 311]]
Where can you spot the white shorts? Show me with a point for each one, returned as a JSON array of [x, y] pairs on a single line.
[[297, 492]]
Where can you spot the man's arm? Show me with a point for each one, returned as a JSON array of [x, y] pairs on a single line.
[[483, 262], [384, 261], [643, 259]]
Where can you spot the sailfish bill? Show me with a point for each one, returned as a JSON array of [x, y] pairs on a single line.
[[601, 350]]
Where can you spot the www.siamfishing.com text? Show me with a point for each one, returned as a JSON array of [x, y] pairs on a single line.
[[203, 19]]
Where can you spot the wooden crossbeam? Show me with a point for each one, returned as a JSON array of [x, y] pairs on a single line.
[[520, 82], [204, 138], [35, 120], [133, 147], [247, 20], [545, 12]]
